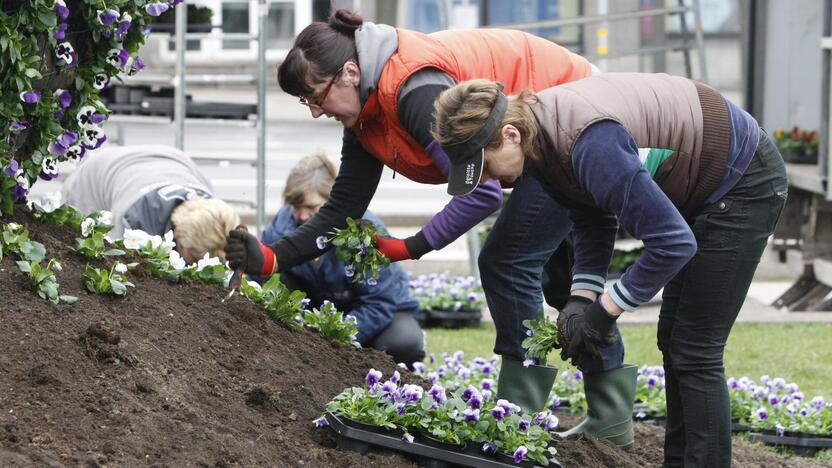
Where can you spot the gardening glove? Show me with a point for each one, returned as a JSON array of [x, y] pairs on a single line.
[[570, 321], [403, 249], [245, 252], [597, 331]]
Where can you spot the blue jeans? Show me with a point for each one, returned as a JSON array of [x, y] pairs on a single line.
[[528, 231]]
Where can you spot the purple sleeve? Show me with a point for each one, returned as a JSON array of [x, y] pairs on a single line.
[[461, 213], [606, 164]]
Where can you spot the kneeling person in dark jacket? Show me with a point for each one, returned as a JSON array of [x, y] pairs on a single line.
[[385, 312]]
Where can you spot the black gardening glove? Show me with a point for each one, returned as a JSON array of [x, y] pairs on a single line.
[[245, 252], [570, 321], [597, 331]]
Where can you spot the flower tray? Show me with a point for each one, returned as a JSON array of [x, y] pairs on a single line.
[[800, 443], [356, 439], [451, 319], [799, 157]]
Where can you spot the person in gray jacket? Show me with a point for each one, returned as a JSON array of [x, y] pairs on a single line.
[[154, 188]]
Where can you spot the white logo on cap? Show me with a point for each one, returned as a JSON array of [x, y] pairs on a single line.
[[469, 174]]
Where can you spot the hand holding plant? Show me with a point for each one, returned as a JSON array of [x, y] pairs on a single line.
[[355, 245]]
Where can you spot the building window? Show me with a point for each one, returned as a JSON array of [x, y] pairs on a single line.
[[281, 30], [235, 19]]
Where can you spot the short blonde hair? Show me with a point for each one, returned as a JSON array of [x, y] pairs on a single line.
[[461, 111], [313, 172], [202, 224]]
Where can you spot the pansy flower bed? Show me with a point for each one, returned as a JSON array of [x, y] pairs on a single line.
[[465, 418], [448, 301]]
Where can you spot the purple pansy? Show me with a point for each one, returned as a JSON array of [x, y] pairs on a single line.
[[320, 241], [523, 425], [762, 414], [555, 402], [64, 98], [17, 127], [520, 454], [107, 17], [396, 377], [101, 81], [320, 422], [489, 447], [372, 281], [66, 53], [61, 10], [437, 392], [30, 97], [373, 377], [498, 412], [472, 415], [407, 438], [124, 24], [12, 168], [156, 8], [75, 153], [487, 384], [60, 32], [349, 270], [48, 169]]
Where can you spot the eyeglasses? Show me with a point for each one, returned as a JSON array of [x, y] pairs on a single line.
[[319, 101]]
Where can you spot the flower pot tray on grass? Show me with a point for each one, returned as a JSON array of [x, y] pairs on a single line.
[[361, 438], [800, 443], [451, 319]]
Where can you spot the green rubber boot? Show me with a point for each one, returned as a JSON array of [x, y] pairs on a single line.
[[609, 398], [526, 387]]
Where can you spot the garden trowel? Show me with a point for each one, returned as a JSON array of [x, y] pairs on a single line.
[[237, 279]]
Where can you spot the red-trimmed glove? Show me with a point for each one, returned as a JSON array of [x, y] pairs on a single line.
[[392, 248], [245, 252]]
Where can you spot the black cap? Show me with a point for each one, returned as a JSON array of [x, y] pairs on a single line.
[[468, 157]]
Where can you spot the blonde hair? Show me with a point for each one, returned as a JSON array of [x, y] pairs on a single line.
[[461, 111], [202, 224], [314, 172]]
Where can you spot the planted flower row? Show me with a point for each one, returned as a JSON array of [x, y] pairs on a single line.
[[447, 293], [465, 416]]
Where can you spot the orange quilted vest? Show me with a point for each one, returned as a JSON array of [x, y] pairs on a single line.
[[516, 59]]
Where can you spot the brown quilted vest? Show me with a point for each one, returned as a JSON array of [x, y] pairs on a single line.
[[659, 110]]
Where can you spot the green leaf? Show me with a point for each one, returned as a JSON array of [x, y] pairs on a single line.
[[24, 266], [32, 73], [4, 43], [48, 18], [68, 299], [118, 288], [114, 253]]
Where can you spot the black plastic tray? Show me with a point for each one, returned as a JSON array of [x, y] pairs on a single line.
[[359, 440], [451, 319], [805, 446]]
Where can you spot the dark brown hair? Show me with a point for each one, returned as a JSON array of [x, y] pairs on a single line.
[[319, 51]]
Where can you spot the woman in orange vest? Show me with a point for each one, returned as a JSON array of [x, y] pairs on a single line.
[[380, 82]]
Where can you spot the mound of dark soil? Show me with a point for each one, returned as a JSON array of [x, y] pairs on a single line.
[[169, 376]]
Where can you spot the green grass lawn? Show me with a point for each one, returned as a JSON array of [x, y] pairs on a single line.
[[798, 352]]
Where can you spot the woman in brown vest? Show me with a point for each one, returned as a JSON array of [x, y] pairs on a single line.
[[704, 208]]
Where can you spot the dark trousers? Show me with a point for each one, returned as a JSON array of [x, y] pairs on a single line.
[[403, 339], [527, 248], [700, 305]]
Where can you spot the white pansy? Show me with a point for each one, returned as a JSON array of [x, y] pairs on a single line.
[[13, 226], [135, 239], [57, 266], [207, 261], [105, 218], [50, 202], [121, 268], [87, 227], [176, 261], [254, 284], [168, 244]]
